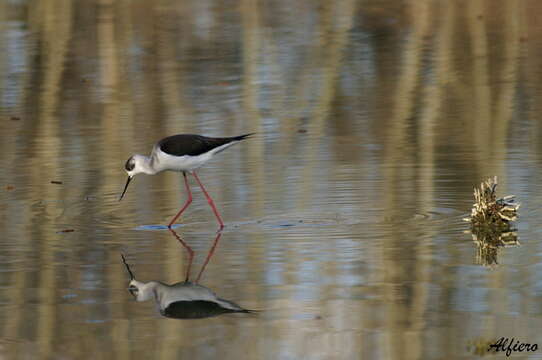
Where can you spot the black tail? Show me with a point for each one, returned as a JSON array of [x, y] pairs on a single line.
[[242, 137], [247, 311]]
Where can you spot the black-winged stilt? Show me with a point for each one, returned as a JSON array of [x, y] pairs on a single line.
[[183, 153]]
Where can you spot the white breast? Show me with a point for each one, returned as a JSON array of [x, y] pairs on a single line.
[[184, 292], [163, 161]]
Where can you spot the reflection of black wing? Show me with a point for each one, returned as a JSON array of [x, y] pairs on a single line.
[[193, 145], [196, 309]]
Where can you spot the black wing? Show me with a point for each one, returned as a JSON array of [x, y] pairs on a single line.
[[193, 145], [196, 309]]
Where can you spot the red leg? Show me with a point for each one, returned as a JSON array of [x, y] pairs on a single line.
[[210, 201], [209, 256], [190, 253], [188, 201]]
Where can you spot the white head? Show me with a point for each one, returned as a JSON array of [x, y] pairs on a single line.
[[142, 291], [134, 165], [139, 290]]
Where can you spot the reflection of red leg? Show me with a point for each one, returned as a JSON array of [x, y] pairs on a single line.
[[188, 201], [209, 256], [190, 253], [210, 201]]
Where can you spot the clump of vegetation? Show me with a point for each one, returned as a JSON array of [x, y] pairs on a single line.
[[491, 213], [492, 222]]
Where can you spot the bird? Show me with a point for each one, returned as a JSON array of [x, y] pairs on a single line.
[[182, 300], [181, 153]]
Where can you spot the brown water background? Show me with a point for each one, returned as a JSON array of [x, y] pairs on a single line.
[[374, 121]]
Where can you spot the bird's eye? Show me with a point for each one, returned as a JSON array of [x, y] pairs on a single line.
[[130, 164], [133, 290]]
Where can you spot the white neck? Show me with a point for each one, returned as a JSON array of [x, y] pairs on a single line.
[[146, 291], [143, 164]]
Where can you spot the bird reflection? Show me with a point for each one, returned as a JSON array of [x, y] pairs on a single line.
[[186, 299]]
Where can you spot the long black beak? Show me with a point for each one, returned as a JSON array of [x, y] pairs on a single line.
[[127, 267], [125, 187]]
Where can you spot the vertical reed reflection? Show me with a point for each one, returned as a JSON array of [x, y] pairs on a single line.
[[400, 150]]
